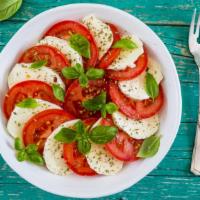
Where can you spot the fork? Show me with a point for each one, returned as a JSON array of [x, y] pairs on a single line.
[[195, 51]]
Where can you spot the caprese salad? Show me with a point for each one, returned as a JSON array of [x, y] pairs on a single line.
[[85, 99]]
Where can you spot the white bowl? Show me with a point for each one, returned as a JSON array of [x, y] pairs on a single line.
[[89, 187]]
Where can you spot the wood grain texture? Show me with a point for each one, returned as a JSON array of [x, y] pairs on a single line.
[[171, 179]]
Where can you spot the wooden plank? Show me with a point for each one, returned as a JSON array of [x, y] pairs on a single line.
[[156, 12]]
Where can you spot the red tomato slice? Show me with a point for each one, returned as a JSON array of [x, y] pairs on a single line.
[[75, 95], [55, 59], [135, 109], [65, 28], [28, 89], [129, 73], [122, 147], [112, 53], [76, 161], [40, 126]]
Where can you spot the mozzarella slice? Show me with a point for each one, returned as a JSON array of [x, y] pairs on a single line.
[[100, 160], [63, 45], [128, 57], [23, 72], [20, 116], [101, 33], [135, 88], [138, 129], [53, 152]]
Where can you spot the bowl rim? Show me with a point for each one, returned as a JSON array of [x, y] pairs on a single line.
[[129, 183]]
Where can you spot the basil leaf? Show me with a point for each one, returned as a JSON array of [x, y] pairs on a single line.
[[38, 64], [21, 156], [83, 145], [151, 86], [66, 135], [31, 148], [28, 103], [93, 73], [96, 103], [149, 147], [125, 43], [58, 92], [83, 80], [9, 8], [80, 127], [102, 134], [111, 107], [80, 44], [79, 68], [18, 144], [70, 73], [36, 158], [103, 111]]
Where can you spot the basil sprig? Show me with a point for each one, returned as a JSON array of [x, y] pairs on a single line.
[[58, 92], [28, 103], [80, 44], [29, 153], [9, 8], [98, 103], [81, 135], [151, 86], [149, 147], [125, 43], [77, 72], [38, 64]]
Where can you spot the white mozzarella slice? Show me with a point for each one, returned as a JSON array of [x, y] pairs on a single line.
[[100, 160], [20, 116], [135, 88], [138, 129], [128, 57], [63, 45], [101, 32], [53, 152], [23, 72]]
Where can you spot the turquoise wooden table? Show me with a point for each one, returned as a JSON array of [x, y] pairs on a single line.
[[172, 179]]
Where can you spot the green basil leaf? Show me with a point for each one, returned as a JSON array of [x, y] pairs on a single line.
[[38, 64], [66, 135], [149, 147], [103, 111], [96, 103], [21, 156], [151, 86], [80, 44], [8, 8], [84, 145], [102, 134], [36, 158], [58, 92], [80, 127], [93, 73], [83, 80], [28, 103], [125, 43], [111, 107], [79, 68], [70, 73], [31, 148], [18, 144]]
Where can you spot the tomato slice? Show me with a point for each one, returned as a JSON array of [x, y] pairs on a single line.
[[75, 95], [136, 109], [122, 147], [76, 161], [65, 28], [40, 126], [55, 59], [112, 53], [129, 73], [28, 89]]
